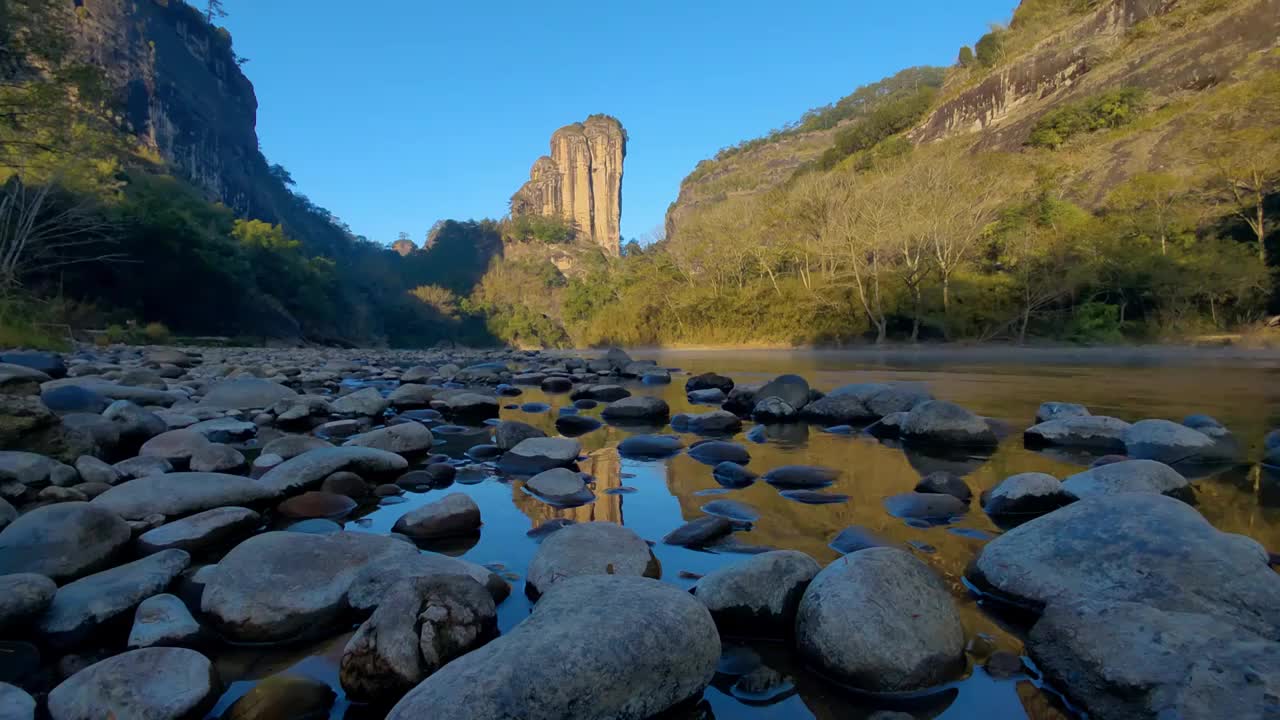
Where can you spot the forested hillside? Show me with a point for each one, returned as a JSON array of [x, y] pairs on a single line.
[[1095, 171]]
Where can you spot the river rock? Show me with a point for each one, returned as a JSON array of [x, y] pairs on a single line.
[[284, 695], [534, 455], [366, 402], [176, 446], [308, 470], [81, 607], [888, 427], [1128, 660], [594, 548], [375, 579], [945, 424], [454, 514], [278, 585], [1091, 432], [560, 487], [577, 425], [217, 458], [716, 422], [1026, 494], [146, 684], [184, 493], [758, 596], [510, 433], [225, 430], [163, 621], [73, 398], [650, 447], [732, 475], [21, 380], [854, 538], [63, 541], [945, 483], [600, 393], [801, 477], [1172, 444], [412, 395], [881, 620], [1059, 411], [201, 532], [291, 446], [714, 452], [115, 391], [245, 393], [709, 381], [30, 469], [16, 704], [709, 396], [93, 470], [791, 389], [594, 648], [1133, 547], [138, 467], [23, 598], [1146, 476], [930, 507], [639, 409], [405, 439], [419, 626], [469, 405], [136, 424], [699, 532]]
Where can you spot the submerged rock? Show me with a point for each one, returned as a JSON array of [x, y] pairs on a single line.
[[594, 648], [880, 620], [801, 477]]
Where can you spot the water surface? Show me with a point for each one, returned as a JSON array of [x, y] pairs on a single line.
[[1005, 384]]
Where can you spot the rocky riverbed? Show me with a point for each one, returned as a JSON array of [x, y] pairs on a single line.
[[168, 515]]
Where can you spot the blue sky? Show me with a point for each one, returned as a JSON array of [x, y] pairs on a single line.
[[396, 113]]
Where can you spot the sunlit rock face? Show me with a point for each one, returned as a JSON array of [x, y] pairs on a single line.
[[580, 181]]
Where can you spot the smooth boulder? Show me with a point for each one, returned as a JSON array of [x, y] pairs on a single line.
[[534, 455], [758, 596], [201, 532], [81, 607], [23, 598], [594, 648], [309, 469], [946, 425], [147, 684], [560, 487], [1026, 494], [594, 548], [1098, 433], [1146, 476], [178, 494], [404, 439], [63, 541]]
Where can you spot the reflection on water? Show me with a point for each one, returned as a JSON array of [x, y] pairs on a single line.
[[1004, 384]]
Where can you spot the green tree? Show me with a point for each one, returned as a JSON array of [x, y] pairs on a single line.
[[966, 58], [989, 49], [1153, 205]]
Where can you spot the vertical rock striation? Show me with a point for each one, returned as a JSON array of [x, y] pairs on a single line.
[[581, 180]]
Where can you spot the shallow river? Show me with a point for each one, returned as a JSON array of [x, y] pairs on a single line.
[[1006, 384]]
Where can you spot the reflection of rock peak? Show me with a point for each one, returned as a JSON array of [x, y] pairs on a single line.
[[581, 180]]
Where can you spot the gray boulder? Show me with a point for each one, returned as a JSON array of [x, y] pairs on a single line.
[[93, 470], [81, 607], [791, 389], [1133, 547], [308, 470], [420, 625], [225, 430], [1091, 432], [1172, 444], [650, 447], [405, 438], [366, 402], [881, 620], [23, 598], [246, 393], [534, 455], [945, 483], [839, 408], [1026, 494], [16, 704], [758, 596], [594, 648], [30, 469], [63, 541], [137, 467], [510, 433], [560, 487], [699, 531], [944, 424], [1147, 476], [279, 585], [163, 621], [716, 422], [184, 493], [1129, 660], [147, 684], [412, 395], [291, 446], [217, 458], [638, 409], [135, 424], [452, 515], [201, 532], [376, 578], [594, 548], [176, 446], [602, 393]]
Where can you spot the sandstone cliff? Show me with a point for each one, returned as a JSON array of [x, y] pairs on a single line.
[[580, 181]]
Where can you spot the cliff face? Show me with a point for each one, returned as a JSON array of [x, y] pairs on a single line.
[[580, 181], [1104, 49]]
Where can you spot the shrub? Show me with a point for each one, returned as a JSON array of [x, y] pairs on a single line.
[[157, 333], [1105, 111], [966, 58], [990, 47]]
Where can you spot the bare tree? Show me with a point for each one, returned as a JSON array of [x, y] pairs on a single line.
[[41, 230], [861, 231]]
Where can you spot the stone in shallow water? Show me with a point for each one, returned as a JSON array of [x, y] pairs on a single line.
[[594, 548], [316, 504], [656, 643], [813, 497], [283, 696], [733, 510], [147, 684], [454, 514], [200, 532], [560, 487], [698, 532], [930, 507], [758, 596], [733, 475], [1026, 494], [801, 477], [1174, 444], [375, 579], [649, 447], [309, 469], [881, 620], [177, 494], [946, 483], [244, 599], [81, 607], [1097, 433], [943, 424], [15, 703], [854, 538], [534, 455], [62, 541], [577, 425], [1146, 476], [405, 439], [714, 452]]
